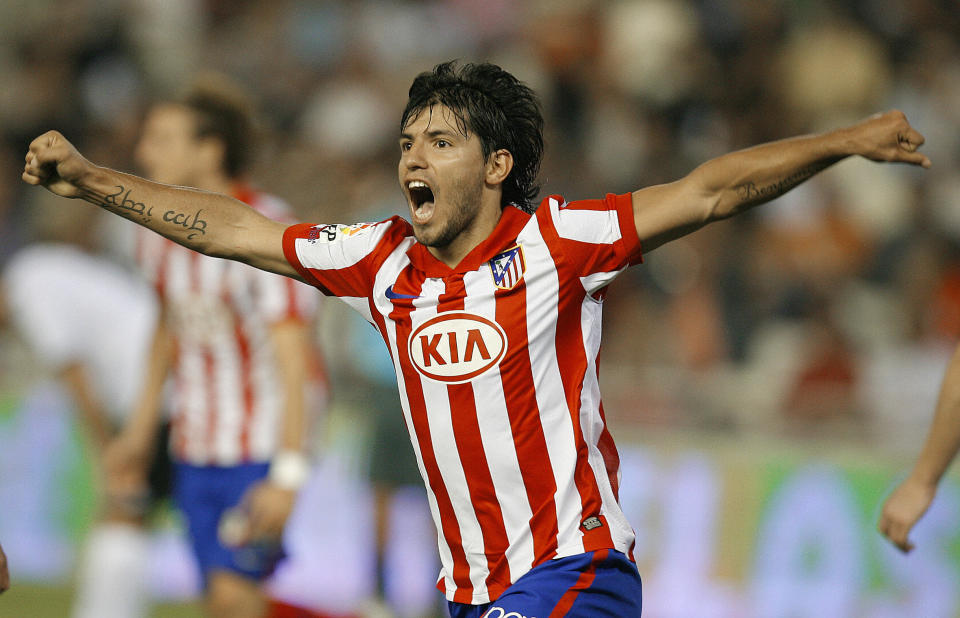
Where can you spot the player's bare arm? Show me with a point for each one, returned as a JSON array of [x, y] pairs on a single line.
[[270, 502], [213, 224], [911, 499], [127, 456], [735, 182]]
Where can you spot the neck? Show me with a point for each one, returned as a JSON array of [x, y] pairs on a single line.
[[478, 230]]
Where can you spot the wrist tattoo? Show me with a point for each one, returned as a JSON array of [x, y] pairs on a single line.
[[122, 203]]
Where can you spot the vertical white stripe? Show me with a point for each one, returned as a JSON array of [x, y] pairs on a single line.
[[268, 396], [543, 289], [216, 285], [386, 276], [591, 425], [191, 375], [445, 450], [497, 437]]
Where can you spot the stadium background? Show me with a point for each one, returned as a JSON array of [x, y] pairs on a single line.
[[768, 378]]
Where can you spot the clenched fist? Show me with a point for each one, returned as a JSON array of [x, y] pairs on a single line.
[[889, 137], [54, 163]]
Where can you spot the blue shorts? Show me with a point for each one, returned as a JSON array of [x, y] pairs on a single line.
[[203, 494], [591, 585]]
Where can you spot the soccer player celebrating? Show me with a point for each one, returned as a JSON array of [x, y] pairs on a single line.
[[491, 310], [237, 344]]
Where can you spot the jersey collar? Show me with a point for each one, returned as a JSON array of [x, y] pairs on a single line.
[[504, 235]]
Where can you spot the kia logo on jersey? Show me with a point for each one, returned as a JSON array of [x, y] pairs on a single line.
[[456, 346]]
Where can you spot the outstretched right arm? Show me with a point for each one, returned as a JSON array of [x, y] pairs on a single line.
[[213, 224]]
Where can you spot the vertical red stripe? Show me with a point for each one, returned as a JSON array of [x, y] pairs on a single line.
[[178, 426], [473, 460], [246, 381], [583, 582], [209, 372], [162, 266], [418, 412], [178, 422], [519, 390], [572, 362], [611, 458], [292, 310]]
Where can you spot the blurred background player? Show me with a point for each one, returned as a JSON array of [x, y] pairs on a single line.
[[89, 320], [237, 344], [912, 497]]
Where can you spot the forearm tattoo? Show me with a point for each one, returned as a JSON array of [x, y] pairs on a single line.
[[122, 203], [749, 192]]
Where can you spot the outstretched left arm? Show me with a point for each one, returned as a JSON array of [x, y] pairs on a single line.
[[735, 182]]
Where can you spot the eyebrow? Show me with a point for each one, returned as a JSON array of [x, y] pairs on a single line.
[[430, 134]]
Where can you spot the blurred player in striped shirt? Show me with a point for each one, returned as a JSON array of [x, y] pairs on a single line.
[[237, 343], [491, 309]]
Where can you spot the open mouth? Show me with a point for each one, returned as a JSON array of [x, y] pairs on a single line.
[[421, 199]]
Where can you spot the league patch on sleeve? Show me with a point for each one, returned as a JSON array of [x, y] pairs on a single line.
[[332, 231]]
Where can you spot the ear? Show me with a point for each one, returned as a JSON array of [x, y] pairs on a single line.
[[499, 166]]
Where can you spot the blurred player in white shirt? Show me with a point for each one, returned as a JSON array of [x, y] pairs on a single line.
[[89, 321]]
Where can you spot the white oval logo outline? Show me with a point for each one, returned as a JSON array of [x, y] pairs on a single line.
[[489, 332]]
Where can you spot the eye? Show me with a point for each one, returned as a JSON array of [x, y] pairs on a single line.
[[405, 146], [442, 143]]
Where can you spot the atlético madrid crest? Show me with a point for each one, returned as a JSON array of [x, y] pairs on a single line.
[[508, 268]]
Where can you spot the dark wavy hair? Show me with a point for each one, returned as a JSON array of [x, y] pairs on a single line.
[[493, 104], [223, 111]]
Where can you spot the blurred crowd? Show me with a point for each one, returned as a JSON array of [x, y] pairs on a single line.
[[830, 312]]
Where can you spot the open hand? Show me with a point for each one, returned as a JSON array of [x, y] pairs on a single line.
[[54, 163]]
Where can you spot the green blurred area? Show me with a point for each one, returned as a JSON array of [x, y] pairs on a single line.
[[36, 601]]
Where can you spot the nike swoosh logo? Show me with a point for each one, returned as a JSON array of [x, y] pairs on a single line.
[[396, 295]]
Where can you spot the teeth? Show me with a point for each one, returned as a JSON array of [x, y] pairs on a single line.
[[417, 184]]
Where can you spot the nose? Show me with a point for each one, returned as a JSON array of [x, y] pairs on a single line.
[[412, 158]]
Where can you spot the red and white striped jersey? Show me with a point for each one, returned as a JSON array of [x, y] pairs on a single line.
[[227, 399], [496, 361]]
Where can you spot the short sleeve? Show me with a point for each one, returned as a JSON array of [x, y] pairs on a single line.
[[598, 237], [338, 259]]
